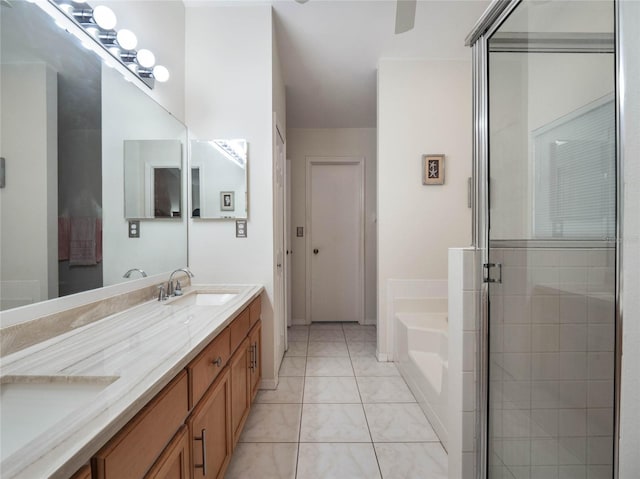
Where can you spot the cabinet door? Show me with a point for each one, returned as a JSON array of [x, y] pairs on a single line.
[[210, 431], [255, 366], [173, 463], [83, 473], [240, 388]]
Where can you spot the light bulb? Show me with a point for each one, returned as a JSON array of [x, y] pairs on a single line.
[[104, 17], [146, 58], [161, 73], [127, 39]]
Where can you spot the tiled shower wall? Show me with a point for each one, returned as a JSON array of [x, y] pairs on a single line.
[[552, 363]]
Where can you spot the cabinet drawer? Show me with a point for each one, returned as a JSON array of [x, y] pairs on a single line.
[[204, 369], [136, 447], [255, 309], [239, 329]]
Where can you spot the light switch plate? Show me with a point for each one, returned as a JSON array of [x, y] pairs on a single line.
[[300, 231], [134, 229], [2, 173], [241, 228]]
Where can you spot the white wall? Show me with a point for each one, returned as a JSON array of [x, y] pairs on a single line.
[[160, 27], [424, 106], [29, 201], [303, 142], [630, 396], [162, 246], [229, 95]]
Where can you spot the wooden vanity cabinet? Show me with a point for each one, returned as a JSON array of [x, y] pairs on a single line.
[[132, 452], [255, 362], [240, 388], [83, 473], [210, 431], [173, 463]]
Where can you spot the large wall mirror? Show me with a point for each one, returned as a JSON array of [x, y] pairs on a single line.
[[219, 179], [65, 120]]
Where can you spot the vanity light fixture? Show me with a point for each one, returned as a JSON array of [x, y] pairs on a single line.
[[100, 23]]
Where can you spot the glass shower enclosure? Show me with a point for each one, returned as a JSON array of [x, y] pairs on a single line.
[[546, 224]]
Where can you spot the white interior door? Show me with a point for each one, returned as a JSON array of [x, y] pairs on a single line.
[[335, 240], [279, 241]]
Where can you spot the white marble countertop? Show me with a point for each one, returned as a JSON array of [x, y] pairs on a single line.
[[143, 348]]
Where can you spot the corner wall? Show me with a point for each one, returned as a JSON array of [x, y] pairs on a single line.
[[303, 142], [229, 95], [424, 107]]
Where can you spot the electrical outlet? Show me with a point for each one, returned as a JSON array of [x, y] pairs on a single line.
[[241, 228], [134, 229]]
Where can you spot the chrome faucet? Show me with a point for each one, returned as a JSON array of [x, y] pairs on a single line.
[[170, 286], [128, 273]]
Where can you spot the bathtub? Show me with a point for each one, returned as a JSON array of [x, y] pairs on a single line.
[[421, 356]]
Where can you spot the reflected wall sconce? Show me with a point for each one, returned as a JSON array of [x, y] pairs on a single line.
[[100, 22]]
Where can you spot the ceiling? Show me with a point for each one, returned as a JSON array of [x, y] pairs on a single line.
[[329, 51]]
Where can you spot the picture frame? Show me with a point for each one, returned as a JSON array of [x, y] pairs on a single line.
[[227, 201], [433, 169]]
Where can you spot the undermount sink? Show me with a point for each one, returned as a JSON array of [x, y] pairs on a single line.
[[32, 404], [204, 298]]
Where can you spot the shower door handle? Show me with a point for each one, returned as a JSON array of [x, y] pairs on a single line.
[[486, 275]]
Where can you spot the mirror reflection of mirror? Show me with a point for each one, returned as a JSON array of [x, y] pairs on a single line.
[[152, 179], [219, 179]]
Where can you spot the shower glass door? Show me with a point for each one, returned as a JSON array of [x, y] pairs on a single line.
[[552, 234]]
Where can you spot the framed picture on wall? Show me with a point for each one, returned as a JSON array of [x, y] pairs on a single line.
[[227, 201], [433, 169]]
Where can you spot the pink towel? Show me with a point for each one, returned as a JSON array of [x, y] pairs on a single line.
[[82, 246], [64, 238]]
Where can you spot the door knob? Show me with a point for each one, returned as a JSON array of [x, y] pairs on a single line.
[[315, 251]]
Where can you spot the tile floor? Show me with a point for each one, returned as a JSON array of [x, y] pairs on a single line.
[[337, 414]]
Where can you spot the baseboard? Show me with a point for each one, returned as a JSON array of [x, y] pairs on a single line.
[[268, 383], [370, 322], [298, 322], [384, 357]]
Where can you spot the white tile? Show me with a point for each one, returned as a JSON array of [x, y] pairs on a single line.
[[327, 325], [544, 452], [469, 311], [293, 366], [600, 472], [544, 394], [468, 431], [331, 390], [361, 334], [544, 423], [272, 423], [398, 423], [600, 422], [329, 367], [289, 391], [469, 350], [263, 460], [545, 309], [362, 349], [573, 366], [334, 423], [328, 349], [601, 337], [545, 337], [544, 472], [601, 365], [572, 472], [517, 452], [296, 348], [572, 422], [573, 309], [600, 394], [368, 366], [516, 423], [325, 335], [517, 338], [600, 450], [601, 308], [572, 450], [412, 460], [573, 337], [516, 394], [298, 333], [518, 365], [468, 392], [337, 461], [382, 390]]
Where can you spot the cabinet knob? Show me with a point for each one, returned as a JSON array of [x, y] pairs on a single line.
[[217, 361]]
